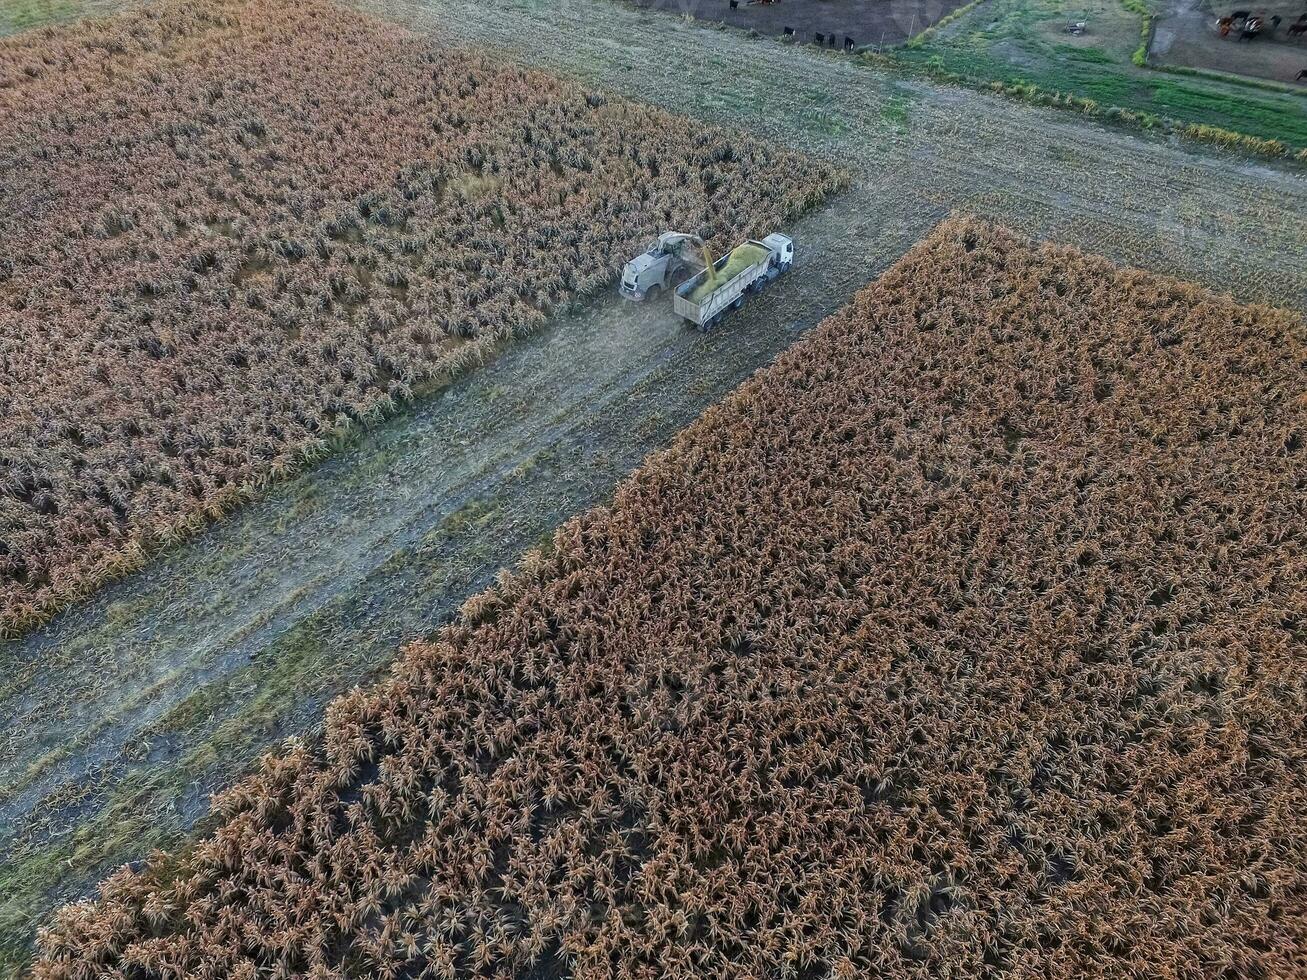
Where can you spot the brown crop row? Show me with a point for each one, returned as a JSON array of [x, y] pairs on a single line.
[[967, 638], [232, 230]]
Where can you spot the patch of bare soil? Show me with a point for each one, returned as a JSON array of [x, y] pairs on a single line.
[[1186, 35], [833, 24]]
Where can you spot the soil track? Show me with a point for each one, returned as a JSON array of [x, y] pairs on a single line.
[[130, 708]]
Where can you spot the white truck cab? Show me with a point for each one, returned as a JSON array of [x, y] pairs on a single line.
[[654, 268], [782, 247], [644, 272]]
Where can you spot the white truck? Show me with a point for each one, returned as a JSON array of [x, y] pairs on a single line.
[[707, 296]]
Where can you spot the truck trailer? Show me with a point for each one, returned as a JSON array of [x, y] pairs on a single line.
[[716, 289]]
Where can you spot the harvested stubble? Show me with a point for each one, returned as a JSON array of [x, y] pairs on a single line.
[[233, 229], [967, 638]]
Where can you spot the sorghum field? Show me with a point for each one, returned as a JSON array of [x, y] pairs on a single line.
[[967, 637], [233, 230]]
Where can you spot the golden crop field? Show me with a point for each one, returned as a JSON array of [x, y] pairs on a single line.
[[233, 230], [967, 637]]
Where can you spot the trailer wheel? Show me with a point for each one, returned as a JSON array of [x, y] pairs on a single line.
[[739, 301]]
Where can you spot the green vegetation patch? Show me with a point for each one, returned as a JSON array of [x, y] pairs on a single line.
[[23, 15], [1024, 43]]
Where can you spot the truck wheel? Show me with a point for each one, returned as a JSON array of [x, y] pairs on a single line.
[[739, 301]]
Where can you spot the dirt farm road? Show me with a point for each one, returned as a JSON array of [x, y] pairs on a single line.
[[129, 709]]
